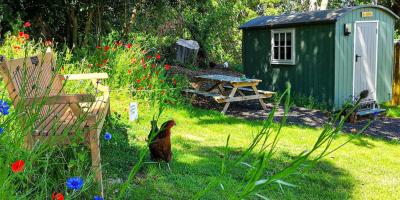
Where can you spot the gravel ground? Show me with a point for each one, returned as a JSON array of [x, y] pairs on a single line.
[[383, 127]]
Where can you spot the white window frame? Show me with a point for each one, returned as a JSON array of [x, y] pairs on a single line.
[[293, 46]]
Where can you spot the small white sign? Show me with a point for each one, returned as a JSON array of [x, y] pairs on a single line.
[[133, 111]]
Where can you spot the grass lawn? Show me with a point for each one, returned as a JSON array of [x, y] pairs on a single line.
[[366, 168], [392, 111]]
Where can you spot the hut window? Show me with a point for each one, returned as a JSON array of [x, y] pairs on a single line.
[[282, 46]]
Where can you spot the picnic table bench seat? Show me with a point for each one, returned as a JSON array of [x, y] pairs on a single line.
[[217, 97], [236, 84], [265, 92], [58, 117]]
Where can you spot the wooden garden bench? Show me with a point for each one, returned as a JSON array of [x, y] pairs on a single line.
[[62, 117]]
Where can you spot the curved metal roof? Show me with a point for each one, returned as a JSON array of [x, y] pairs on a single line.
[[321, 16]]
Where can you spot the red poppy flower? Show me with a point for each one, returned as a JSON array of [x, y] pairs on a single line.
[[18, 166], [144, 66], [106, 48], [174, 82], [48, 43], [21, 34], [157, 72], [129, 45], [98, 47], [118, 43], [129, 71], [138, 81], [167, 67], [105, 61], [26, 36], [142, 61], [17, 47], [57, 196], [158, 57], [27, 24], [153, 65], [149, 57]]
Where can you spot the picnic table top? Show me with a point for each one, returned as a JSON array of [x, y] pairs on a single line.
[[230, 79]]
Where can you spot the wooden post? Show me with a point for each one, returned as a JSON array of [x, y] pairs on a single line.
[[396, 75], [94, 145], [196, 86], [228, 103], [260, 99]]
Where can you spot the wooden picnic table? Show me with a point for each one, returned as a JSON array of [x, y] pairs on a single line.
[[222, 83]]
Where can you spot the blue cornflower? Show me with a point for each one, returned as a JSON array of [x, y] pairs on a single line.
[[4, 107], [376, 113], [75, 183], [97, 198], [107, 136], [1, 130]]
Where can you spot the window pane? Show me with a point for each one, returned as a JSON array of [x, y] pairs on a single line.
[[276, 39], [288, 39], [282, 39], [276, 52], [288, 53], [282, 53]]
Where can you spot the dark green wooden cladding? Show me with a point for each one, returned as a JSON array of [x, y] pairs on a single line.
[[324, 59], [344, 51], [313, 73]]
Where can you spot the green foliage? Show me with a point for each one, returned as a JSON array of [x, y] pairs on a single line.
[[392, 111], [132, 62], [214, 23]]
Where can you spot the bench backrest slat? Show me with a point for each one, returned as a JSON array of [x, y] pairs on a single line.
[[32, 77]]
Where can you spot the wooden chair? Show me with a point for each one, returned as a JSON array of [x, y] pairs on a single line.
[[59, 117]]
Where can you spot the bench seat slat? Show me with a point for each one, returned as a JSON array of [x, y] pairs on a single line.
[[251, 90]]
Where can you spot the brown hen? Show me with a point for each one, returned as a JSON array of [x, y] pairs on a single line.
[[160, 144]]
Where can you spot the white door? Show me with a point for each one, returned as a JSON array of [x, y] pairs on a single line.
[[365, 58]]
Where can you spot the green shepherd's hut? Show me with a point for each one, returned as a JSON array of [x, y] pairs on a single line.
[[328, 55]]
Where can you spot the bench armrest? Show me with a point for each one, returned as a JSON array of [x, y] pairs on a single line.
[[89, 76], [62, 99]]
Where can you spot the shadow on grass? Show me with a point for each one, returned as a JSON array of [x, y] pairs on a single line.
[[193, 168], [195, 164], [362, 142], [385, 128], [118, 156], [207, 117]]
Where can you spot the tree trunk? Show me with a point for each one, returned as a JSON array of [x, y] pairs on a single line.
[[132, 21], [74, 24], [324, 5], [99, 21], [88, 27], [313, 5]]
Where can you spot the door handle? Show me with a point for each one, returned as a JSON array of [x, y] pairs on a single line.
[[357, 57]]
